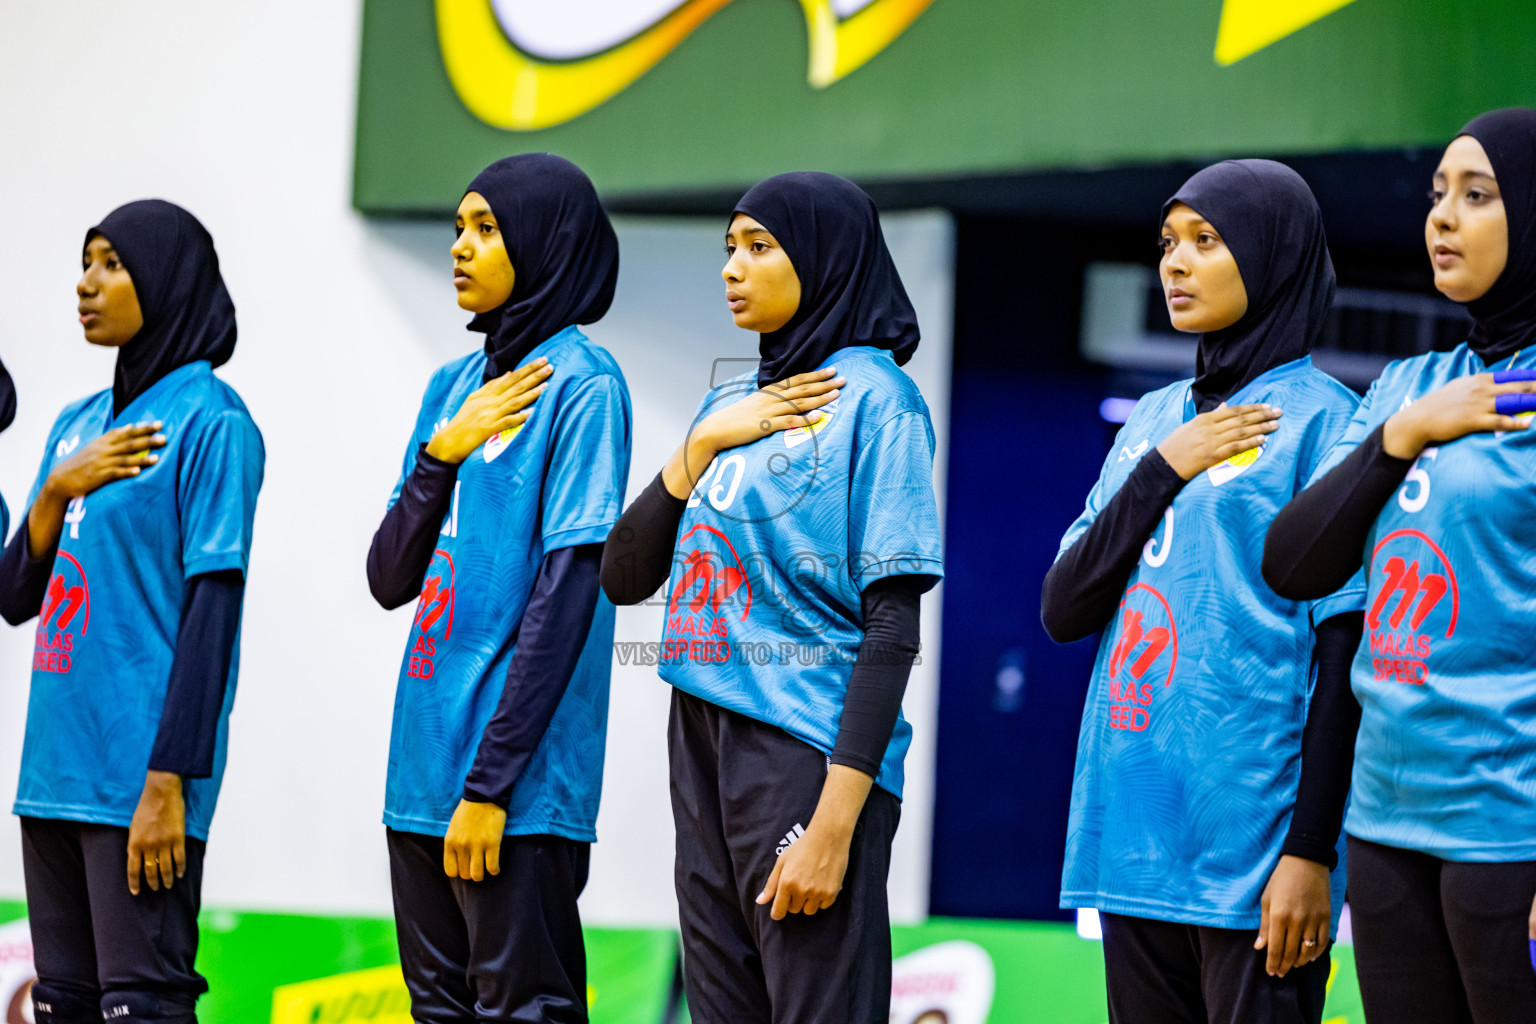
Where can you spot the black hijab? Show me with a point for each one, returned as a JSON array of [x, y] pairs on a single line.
[[850, 293], [565, 256], [1505, 318], [1269, 219], [7, 398], [188, 314]]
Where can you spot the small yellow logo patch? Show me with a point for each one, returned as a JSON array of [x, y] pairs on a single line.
[[799, 435], [494, 446], [1235, 466]]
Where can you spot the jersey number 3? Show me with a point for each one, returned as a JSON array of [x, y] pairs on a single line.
[[1153, 555]]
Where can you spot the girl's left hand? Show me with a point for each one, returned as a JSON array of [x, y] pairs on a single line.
[[157, 837], [1297, 906], [808, 876], [472, 847]]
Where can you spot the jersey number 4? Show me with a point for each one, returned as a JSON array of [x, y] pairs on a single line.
[[73, 514]]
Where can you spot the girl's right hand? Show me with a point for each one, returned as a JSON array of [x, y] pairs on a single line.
[[116, 455], [1467, 405], [786, 405], [1215, 436], [491, 408], [782, 406]]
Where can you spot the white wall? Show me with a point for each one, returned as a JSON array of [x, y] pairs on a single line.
[[243, 113]]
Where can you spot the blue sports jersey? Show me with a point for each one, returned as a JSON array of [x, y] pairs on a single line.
[[1446, 759], [554, 482], [779, 539], [106, 634], [1190, 749]]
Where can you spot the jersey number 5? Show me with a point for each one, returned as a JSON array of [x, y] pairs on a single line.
[[1418, 479]]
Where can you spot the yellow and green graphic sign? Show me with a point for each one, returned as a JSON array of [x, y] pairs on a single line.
[[593, 49], [1248, 26], [705, 97], [525, 66], [374, 996], [295, 969]]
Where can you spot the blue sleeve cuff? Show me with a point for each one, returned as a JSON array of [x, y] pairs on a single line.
[[901, 565], [215, 562], [576, 536], [1350, 598]]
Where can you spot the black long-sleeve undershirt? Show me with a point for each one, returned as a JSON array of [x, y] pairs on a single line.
[[1084, 587], [194, 697], [205, 642], [550, 636], [23, 576], [637, 556], [637, 560], [892, 611], [1327, 745], [550, 639], [1317, 542], [403, 544], [1314, 546]]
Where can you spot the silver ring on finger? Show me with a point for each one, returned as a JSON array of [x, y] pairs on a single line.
[[1309, 943]]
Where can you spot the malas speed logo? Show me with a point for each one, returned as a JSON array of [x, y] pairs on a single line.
[[66, 610], [1415, 602], [434, 615], [1146, 652], [711, 582]]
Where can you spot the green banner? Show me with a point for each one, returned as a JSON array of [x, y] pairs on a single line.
[[1040, 974], [720, 93], [290, 969], [296, 969]]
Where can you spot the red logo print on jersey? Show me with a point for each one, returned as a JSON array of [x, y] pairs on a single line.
[[66, 605], [709, 585], [434, 609], [1148, 640], [1416, 592]]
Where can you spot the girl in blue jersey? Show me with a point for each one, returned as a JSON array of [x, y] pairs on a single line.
[[132, 556], [1205, 803], [799, 526], [495, 530], [1431, 492]]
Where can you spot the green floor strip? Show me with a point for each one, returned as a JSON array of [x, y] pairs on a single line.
[[293, 969]]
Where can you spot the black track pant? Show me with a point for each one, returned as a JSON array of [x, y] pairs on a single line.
[[508, 948], [1159, 972], [741, 792], [1441, 941], [101, 952]]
